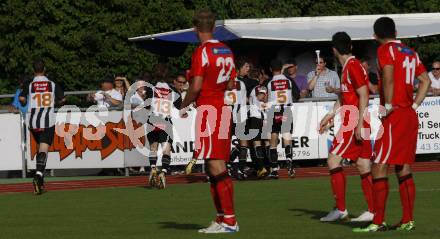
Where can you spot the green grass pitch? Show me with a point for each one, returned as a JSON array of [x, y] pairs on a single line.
[[265, 209]]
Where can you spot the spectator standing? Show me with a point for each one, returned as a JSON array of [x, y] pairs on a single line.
[[16, 105], [121, 84], [373, 81], [107, 96], [323, 82], [434, 75], [290, 70], [181, 84]]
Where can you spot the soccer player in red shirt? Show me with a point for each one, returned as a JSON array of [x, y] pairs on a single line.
[[351, 141], [398, 65], [212, 72]]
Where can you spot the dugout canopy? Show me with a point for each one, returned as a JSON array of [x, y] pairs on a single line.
[[306, 29]]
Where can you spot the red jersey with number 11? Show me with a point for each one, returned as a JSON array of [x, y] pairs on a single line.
[[214, 62], [407, 66]]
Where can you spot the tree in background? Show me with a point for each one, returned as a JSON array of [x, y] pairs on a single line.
[[84, 40]]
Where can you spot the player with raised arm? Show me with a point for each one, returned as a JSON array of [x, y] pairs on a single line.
[[163, 99], [41, 94], [212, 72], [398, 65], [350, 142], [280, 99]]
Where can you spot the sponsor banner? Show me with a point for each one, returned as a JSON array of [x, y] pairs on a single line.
[[326, 139], [88, 141], [10, 142], [182, 147], [102, 139], [429, 126]]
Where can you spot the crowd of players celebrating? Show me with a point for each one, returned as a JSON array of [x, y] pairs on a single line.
[[221, 95]]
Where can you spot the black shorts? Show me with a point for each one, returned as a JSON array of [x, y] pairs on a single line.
[[43, 135], [282, 121], [159, 136], [237, 127], [256, 124], [159, 130]]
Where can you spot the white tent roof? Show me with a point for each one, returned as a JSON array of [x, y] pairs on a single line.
[[359, 27]]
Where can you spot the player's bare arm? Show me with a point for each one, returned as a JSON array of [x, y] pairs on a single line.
[[363, 104], [327, 121], [193, 91], [388, 86], [114, 101], [424, 85]]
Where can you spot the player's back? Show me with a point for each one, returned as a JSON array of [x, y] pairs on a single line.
[[214, 62], [279, 91], [41, 94], [407, 67], [353, 77]]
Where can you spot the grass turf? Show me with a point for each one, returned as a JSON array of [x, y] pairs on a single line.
[[265, 209], [55, 179]]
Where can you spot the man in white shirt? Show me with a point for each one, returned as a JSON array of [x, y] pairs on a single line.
[[434, 75], [323, 82], [107, 96]]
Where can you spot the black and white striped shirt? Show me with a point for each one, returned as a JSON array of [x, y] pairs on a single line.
[[41, 96]]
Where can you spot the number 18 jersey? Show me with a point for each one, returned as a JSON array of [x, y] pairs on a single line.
[[407, 66], [41, 95]]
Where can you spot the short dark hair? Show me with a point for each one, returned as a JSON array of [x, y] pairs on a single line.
[[385, 27], [181, 74], [39, 66], [365, 59], [342, 43], [204, 20], [276, 65], [107, 79], [291, 61], [240, 62]]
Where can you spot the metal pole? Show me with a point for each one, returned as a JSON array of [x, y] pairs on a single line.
[[23, 146]]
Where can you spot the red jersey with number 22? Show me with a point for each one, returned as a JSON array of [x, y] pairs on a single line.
[[407, 66], [214, 62]]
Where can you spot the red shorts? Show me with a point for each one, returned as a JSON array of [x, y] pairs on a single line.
[[350, 148], [213, 136], [345, 144], [399, 139]]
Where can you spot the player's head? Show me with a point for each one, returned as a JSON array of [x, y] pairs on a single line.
[[39, 66], [180, 82], [384, 28], [276, 65], [107, 83], [365, 61], [341, 42], [204, 21], [243, 66]]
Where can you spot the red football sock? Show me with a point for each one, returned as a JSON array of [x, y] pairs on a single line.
[[407, 190], [367, 188], [338, 186], [380, 193], [225, 191], [218, 206]]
